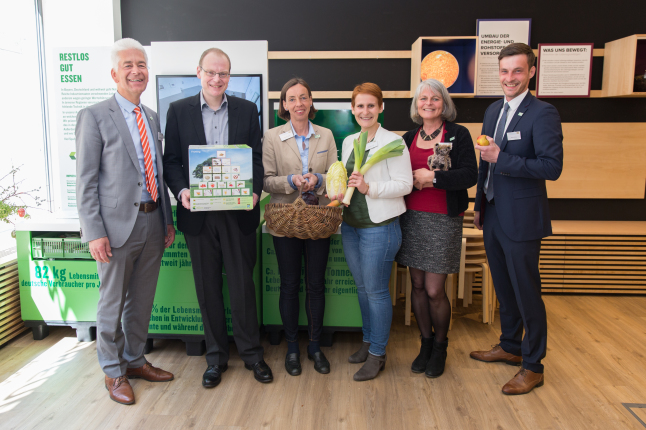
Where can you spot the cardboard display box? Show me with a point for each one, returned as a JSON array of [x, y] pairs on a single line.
[[221, 177]]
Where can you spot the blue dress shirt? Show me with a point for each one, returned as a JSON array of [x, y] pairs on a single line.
[[127, 108], [304, 154]]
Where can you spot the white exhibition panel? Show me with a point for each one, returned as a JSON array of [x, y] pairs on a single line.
[[182, 58], [66, 23]]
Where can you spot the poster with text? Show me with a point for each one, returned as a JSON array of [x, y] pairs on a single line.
[[493, 36], [80, 78], [564, 70]]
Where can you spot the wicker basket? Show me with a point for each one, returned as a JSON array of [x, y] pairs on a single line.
[[298, 219]]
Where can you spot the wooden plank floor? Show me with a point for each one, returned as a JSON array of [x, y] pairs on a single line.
[[595, 362]]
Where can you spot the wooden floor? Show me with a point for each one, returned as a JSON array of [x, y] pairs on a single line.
[[595, 362]]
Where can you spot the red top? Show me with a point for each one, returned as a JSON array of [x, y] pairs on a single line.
[[427, 199]]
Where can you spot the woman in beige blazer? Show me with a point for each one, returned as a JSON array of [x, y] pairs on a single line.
[[296, 156]]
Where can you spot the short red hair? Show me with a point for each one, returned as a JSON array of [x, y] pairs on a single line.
[[368, 88]]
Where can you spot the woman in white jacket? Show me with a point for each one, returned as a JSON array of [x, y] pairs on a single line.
[[370, 230]]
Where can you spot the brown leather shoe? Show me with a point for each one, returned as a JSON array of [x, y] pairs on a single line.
[[524, 382], [149, 373], [496, 353], [120, 390]]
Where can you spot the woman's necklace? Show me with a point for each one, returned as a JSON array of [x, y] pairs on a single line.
[[433, 135]]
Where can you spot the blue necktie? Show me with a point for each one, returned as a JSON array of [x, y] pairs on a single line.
[[500, 131]]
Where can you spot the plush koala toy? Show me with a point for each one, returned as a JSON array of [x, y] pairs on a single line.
[[440, 159]]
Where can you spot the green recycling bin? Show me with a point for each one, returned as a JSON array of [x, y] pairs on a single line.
[[59, 285]]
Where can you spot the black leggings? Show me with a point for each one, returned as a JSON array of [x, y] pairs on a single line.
[[289, 252]]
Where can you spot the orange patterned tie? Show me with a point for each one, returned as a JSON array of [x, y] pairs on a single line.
[[148, 159]]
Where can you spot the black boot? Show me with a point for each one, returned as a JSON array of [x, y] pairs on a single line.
[[419, 364], [435, 365]]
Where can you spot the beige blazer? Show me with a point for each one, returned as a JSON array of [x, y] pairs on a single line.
[[282, 158]]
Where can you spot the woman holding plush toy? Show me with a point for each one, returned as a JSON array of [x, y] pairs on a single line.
[[432, 224]]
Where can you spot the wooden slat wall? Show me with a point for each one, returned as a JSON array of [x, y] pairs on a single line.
[[11, 324], [592, 169], [602, 257]]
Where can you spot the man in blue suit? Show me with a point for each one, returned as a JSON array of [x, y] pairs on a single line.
[[526, 150]]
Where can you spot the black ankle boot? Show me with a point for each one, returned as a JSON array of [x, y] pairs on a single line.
[[419, 364], [435, 365]]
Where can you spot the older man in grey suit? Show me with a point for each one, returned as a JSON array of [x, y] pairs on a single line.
[[120, 187]]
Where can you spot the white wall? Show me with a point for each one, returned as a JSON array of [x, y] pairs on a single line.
[[181, 58], [21, 142]]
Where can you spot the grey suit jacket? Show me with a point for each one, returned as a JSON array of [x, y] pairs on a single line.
[[108, 177]]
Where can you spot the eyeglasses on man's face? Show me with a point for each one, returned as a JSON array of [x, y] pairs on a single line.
[[210, 74]]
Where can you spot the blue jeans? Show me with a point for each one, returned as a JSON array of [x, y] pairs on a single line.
[[370, 253]]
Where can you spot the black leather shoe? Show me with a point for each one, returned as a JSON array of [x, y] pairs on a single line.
[[261, 371], [213, 375], [321, 364], [293, 364]]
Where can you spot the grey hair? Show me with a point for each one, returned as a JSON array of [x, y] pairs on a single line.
[[123, 45], [448, 112]]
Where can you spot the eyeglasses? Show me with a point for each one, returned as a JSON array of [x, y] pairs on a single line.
[[210, 74]]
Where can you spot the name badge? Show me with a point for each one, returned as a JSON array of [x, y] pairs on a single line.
[[513, 135], [286, 135], [371, 145]]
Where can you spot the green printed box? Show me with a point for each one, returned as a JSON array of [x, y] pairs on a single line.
[[340, 311], [221, 177], [338, 280], [57, 290], [67, 291]]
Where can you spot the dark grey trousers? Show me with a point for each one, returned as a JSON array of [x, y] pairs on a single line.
[[126, 295]]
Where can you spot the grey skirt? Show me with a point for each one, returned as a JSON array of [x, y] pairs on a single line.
[[430, 242]]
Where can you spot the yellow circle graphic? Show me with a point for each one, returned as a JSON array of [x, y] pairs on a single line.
[[440, 65]]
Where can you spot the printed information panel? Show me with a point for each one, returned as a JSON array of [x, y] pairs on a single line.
[[493, 35], [564, 70], [82, 79]]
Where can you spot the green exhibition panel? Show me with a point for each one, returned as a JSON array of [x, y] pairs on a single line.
[[342, 311], [58, 290]]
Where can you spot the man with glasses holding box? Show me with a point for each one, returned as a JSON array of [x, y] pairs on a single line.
[[218, 238]]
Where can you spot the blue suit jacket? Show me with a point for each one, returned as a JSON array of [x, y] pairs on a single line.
[[522, 168]]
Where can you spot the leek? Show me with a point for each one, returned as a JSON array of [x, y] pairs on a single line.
[[393, 149], [359, 152]]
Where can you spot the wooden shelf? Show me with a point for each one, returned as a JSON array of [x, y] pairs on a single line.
[[337, 55], [463, 44], [385, 55], [619, 67], [357, 55], [321, 95]]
